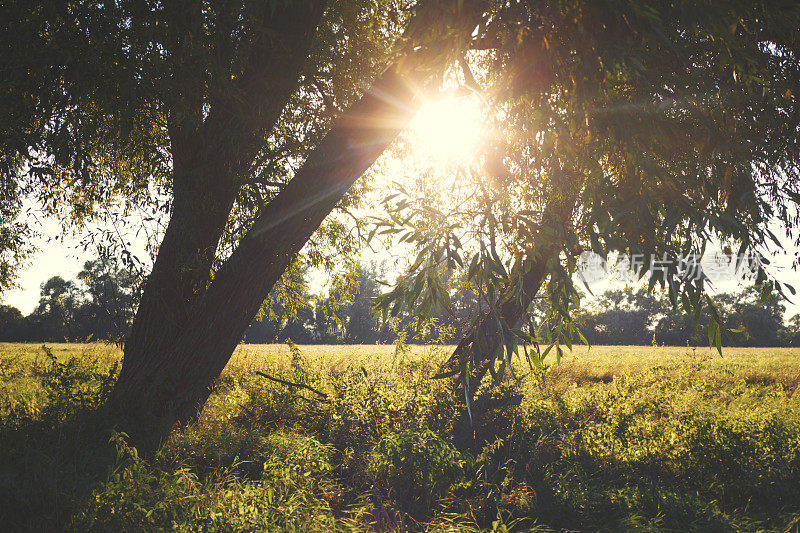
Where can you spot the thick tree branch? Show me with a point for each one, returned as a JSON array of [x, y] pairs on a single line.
[[246, 109], [557, 214], [198, 354]]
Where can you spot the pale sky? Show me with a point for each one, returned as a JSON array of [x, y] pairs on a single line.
[[54, 259], [63, 257]]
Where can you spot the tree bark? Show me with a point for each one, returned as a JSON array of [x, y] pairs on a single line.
[[179, 379]]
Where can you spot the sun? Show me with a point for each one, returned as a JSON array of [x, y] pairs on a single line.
[[448, 129]]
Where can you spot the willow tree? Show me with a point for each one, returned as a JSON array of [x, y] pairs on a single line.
[[651, 129]]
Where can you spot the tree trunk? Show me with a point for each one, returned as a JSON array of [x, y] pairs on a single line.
[[512, 312], [179, 379], [180, 273], [557, 214], [210, 158], [170, 382]]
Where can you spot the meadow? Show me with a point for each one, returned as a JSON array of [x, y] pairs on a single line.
[[612, 438]]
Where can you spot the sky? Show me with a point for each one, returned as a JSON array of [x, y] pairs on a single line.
[[56, 254]]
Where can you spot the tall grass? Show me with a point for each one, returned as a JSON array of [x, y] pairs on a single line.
[[613, 439]]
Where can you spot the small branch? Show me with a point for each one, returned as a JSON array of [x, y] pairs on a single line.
[[261, 179], [357, 227], [294, 385]]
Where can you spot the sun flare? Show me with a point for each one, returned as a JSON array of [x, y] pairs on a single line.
[[448, 130]]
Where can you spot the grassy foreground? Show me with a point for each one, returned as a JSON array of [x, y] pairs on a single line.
[[613, 438]]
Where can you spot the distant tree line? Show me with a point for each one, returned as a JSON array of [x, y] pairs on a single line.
[[102, 302], [616, 317], [99, 305], [625, 316]]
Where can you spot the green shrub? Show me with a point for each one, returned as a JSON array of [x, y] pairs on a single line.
[[290, 494], [415, 470]]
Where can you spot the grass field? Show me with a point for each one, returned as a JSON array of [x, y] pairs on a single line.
[[613, 438]]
